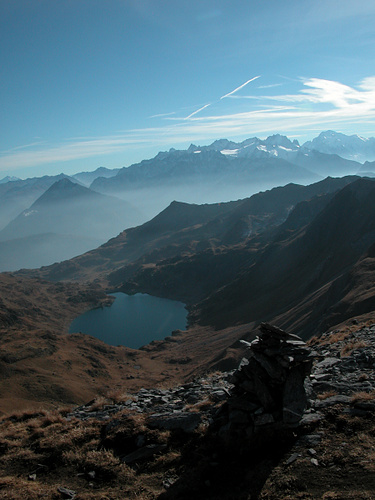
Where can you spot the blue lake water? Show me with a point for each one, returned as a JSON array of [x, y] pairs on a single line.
[[132, 320]]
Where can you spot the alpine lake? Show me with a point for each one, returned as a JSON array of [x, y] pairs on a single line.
[[132, 320]]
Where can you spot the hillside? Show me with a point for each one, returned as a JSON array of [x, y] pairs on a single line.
[[308, 273], [42, 366], [170, 443], [191, 228], [310, 259]]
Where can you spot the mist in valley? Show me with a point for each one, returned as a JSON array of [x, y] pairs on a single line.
[[58, 218], [46, 233]]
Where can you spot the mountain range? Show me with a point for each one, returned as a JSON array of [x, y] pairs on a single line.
[[18, 195], [353, 147], [226, 170], [86, 178], [254, 162], [222, 171]]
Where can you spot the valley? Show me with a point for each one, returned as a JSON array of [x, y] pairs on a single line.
[[234, 264]]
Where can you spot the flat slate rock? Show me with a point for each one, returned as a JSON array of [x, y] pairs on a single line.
[[184, 421]]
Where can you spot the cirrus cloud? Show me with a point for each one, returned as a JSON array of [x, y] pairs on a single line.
[[317, 104]]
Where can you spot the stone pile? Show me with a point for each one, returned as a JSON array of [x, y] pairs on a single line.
[[268, 392]]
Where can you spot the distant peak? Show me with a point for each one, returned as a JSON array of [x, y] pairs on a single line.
[[64, 184], [63, 189]]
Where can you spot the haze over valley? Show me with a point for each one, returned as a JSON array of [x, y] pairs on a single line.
[[57, 218]]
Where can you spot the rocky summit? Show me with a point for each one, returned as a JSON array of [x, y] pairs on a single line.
[[282, 382], [294, 420]]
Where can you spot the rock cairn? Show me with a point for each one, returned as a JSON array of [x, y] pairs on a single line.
[[268, 393]]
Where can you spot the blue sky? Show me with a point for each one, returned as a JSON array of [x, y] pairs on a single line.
[[88, 83]]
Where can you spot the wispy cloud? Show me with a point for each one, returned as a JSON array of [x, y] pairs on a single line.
[[163, 115], [70, 150], [240, 87], [318, 104], [269, 86], [25, 146]]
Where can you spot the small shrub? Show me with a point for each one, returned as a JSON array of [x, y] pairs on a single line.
[[118, 396]]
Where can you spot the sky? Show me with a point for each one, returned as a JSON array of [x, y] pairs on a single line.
[[89, 83]]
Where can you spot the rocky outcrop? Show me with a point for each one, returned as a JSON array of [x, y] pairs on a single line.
[[181, 408], [344, 372], [268, 393]]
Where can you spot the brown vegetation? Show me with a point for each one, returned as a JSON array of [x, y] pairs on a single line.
[[42, 366]]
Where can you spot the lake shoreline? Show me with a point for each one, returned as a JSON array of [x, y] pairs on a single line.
[[132, 320]]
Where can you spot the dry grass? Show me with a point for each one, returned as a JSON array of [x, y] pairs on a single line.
[[201, 405], [327, 394], [119, 396], [63, 452], [352, 346], [337, 337], [102, 462], [99, 403], [363, 396]]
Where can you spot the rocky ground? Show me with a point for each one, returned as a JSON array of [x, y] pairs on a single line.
[[165, 443]]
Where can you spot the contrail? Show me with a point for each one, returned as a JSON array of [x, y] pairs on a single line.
[[240, 87], [223, 97], [195, 112]]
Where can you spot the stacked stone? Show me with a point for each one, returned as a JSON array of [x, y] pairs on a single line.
[[269, 387]]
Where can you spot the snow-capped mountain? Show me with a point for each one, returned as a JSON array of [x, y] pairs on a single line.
[[273, 161], [277, 146], [220, 163], [352, 147]]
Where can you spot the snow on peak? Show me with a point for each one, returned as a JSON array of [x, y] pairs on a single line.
[[27, 213], [229, 152]]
